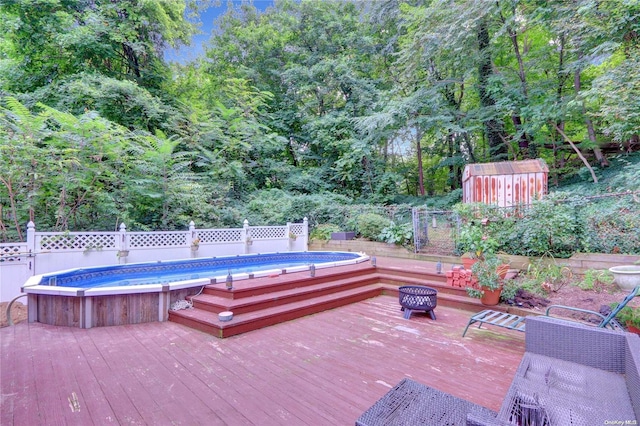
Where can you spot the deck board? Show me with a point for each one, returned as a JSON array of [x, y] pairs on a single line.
[[172, 373], [323, 369]]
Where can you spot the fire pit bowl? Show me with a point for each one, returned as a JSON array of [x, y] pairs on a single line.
[[626, 276], [418, 298]]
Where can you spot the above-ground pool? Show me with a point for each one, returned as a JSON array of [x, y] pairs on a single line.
[[142, 292], [164, 272]]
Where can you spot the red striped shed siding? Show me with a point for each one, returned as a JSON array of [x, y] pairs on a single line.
[[505, 184]]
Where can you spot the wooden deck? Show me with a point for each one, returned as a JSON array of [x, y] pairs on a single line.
[[324, 369]]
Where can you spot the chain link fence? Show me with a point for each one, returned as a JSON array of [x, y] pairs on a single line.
[[563, 224], [434, 231]]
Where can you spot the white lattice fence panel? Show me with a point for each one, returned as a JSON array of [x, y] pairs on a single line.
[[12, 252], [157, 239], [73, 241], [268, 232], [297, 228], [220, 235]]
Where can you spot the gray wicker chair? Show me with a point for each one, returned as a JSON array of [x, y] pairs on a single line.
[[570, 374]]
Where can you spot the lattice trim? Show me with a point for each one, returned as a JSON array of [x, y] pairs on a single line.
[[157, 239], [73, 241], [220, 235], [11, 253], [297, 228], [268, 232]]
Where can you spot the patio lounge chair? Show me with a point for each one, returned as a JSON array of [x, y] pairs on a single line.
[[570, 374], [608, 321]]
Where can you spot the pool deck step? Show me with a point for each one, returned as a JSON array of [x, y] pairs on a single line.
[[279, 282], [216, 302], [300, 295], [208, 322], [264, 301], [213, 302]]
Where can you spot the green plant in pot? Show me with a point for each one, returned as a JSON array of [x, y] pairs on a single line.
[[475, 243], [630, 317], [489, 281]]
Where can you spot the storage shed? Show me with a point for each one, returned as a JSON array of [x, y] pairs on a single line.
[[505, 184]]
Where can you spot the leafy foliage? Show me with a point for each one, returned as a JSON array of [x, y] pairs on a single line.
[[323, 231], [595, 279], [400, 234], [328, 110], [474, 240], [370, 225], [486, 272]]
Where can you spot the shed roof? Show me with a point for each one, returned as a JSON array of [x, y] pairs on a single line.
[[506, 168]]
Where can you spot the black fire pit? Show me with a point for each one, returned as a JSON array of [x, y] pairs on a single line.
[[418, 298]]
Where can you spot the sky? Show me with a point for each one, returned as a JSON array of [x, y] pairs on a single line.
[[207, 18]]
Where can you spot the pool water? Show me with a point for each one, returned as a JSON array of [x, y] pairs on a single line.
[[163, 272]]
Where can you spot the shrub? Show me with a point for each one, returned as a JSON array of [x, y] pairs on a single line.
[[323, 232], [474, 240], [370, 225], [399, 234], [611, 226], [547, 227], [275, 206]]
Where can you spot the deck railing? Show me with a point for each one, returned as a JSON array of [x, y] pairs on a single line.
[[45, 251]]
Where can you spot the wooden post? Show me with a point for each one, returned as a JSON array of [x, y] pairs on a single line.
[[164, 298], [32, 308], [86, 312]]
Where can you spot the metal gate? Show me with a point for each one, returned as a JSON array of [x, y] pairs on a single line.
[[434, 231]]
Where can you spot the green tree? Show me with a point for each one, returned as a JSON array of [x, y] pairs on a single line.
[[54, 39]]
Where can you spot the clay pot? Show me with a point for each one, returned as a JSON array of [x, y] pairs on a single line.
[[632, 328], [468, 262], [490, 297], [502, 270]]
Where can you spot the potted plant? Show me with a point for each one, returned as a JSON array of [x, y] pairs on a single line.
[[475, 244], [195, 244], [488, 278], [630, 317]]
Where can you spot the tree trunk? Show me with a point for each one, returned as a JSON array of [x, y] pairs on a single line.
[[494, 129], [453, 169], [13, 205], [526, 148], [420, 169], [575, 148], [523, 141], [590, 129], [632, 142]]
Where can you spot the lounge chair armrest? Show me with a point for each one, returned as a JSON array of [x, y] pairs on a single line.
[[571, 308]]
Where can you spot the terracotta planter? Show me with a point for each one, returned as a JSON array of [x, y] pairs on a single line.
[[468, 262], [632, 328], [502, 270], [490, 297]]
